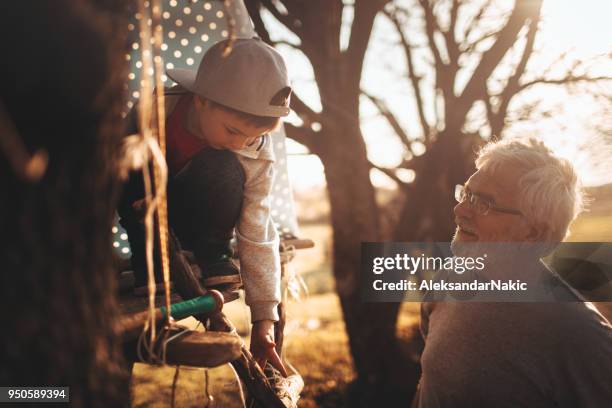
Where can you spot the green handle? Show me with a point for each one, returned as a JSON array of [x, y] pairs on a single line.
[[199, 305]]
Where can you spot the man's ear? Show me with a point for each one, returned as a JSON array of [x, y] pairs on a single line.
[[537, 232]]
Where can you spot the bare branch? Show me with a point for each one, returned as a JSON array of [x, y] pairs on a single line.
[[491, 117], [301, 108], [513, 82], [391, 119], [445, 73], [289, 21], [452, 47], [361, 30], [306, 113], [287, 43], [476, 86], [566, 80], [303, 135], [414, 79], [512, 87], [431, 26], [253, 8], [472, 46], [388, 172], [474, 23], [453, 19]]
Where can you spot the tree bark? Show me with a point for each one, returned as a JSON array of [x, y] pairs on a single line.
[[427, 215], [384, 375], [62, 88]]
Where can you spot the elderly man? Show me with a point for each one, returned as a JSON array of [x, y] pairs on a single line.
[[520, 354]]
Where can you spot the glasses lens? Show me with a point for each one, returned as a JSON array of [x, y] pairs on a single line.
[[459, 193], [481, 205]]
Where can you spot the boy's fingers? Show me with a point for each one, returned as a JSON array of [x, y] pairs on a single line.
[[138, 205], [261, 362], [139, 208], [276, 362]]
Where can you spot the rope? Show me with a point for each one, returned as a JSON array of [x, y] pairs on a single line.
[[240, 389], [159, 357], [160, 171], [231, 27], [210, 400], [174, 382]]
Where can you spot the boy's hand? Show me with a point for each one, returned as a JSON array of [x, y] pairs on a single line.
[[263, 346], [140, 209]]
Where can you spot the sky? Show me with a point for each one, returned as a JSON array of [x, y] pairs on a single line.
[[581, 28]]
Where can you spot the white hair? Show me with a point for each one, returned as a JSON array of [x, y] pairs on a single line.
[[549, 188]]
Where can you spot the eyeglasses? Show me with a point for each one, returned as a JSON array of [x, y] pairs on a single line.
[[480, 204]]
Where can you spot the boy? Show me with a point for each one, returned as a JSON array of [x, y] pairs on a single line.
[[220, 159]]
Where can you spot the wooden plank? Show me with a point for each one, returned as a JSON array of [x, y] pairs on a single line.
[[203, 349], [192, 348]]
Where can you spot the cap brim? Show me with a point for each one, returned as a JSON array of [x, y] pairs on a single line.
[[184, 77]]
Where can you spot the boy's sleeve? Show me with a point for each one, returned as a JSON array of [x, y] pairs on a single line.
[[258, 242]]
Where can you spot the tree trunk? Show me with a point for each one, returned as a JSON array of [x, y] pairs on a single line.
[[427, 215], [62, 90], [384, 376]]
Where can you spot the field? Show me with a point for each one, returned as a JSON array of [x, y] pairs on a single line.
[[316, 343]]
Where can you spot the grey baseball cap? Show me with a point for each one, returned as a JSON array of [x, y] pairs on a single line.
[[246, 80]]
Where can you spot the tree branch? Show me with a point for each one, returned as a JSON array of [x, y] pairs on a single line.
[[287, 43], [472, 46], [253, 8], [476, 86], [292, 23], [565, 81], [388, 172], [414, 79], [302, 135], [301, 108], [512, 87], [445, 76], [431, 25], [452, 46], [391, 119], [474, 23], [491, 117], [363, 20]]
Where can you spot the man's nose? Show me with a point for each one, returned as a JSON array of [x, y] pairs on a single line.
[[463, 210]]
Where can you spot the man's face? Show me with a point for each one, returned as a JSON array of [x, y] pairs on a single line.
[[224, 130], [501, 189]]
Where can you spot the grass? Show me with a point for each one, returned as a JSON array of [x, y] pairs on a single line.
[[596, 227]]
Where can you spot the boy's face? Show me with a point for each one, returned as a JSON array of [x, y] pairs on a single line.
[[223, 130]]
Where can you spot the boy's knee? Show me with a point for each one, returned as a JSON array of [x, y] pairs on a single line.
[[213, 165], [213, 174]]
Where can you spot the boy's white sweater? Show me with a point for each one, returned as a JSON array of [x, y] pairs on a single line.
[[258, 241]]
